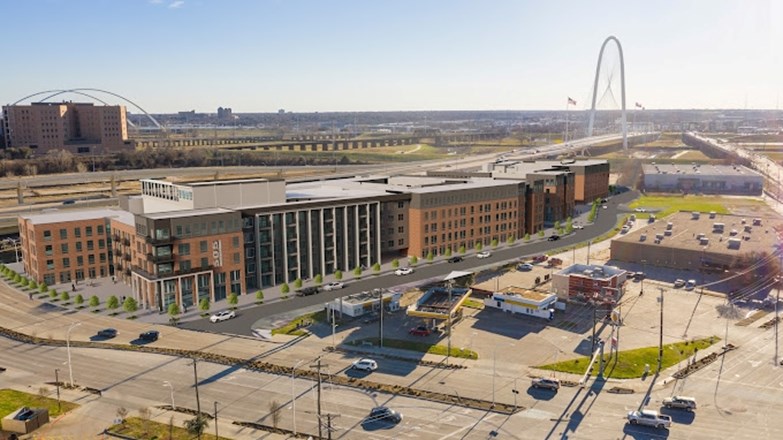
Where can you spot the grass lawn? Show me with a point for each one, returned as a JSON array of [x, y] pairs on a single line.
[[146, 429], [630, 363], [422, 347], [666, 205], [473, 304], [293, 327], [11, 400]]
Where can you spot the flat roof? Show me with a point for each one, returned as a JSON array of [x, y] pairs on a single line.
[[532, 295], [69, 215], [226, 182], [685, 233], [703, 170], [364, 297], [187, 213], [595, 271]]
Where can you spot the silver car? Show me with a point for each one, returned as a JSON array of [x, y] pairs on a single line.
[[543, 382], [680, 402]]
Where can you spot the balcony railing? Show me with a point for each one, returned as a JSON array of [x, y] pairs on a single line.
[[160, 240], [160, 258]]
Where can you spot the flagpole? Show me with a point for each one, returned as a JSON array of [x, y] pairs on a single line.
[[568, 101]]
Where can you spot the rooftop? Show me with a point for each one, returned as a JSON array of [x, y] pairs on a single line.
[[187, 213], [71, 215], [699, 169], [528, 294], [363, 297], [596, 272]]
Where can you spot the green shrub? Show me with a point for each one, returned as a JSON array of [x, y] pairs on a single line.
[[448, 252], [94, 301], [376, 267], [285, 288], [357, 271], [79, 300], [430, 256], [259, 296], [479, 246], [204, 304], [494, 242], [527, 237], [395, 263], [130, 305], [462, 249], [338, 274], [65, 296], [298, 283], [233, 299], [112, 303], [319, 279], [413, 260]]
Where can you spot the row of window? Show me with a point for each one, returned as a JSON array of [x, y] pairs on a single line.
[[66, 261], [77, 232], [65, 276], [463, 210], [65, 247]]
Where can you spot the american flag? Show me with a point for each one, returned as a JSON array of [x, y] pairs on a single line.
[[571, 101], [639, 105]]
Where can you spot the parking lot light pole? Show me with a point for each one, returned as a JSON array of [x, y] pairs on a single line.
[[644, 275], [171, 388], [68, 347], [293, 394]]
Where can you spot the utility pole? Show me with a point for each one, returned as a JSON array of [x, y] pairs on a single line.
[[777, 318], [216, 422], [448, 350], [198, 402], [660, 333], [318, 365], [380, 325], [329, 428], [588, 251]]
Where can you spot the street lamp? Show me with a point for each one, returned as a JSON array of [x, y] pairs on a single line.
[[171, 387], [68, 347], [293, 395], [644, 275]]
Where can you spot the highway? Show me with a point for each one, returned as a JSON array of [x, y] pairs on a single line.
[[243, 323]]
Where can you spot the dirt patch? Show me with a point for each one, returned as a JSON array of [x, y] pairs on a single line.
[[703, 362]]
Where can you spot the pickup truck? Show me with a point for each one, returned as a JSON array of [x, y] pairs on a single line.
[[649, 418]]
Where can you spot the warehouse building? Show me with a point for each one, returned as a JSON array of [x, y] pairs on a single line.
[[705, 179]]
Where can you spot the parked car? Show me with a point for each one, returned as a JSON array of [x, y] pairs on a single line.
[[455, 259], [69, 202], [678, 283], [554, 262], [625, 229], [333, 286], [108, 333], [680, 402], [225, 315], [149, 336], [525, 267], [690, 285], [384, 413], [404, 271], [577, 226], [420, 331], [640, 210], [638, 276], [543, 382], [365, 365], [484, 254], [553, 237], [307, 291], [540, 258], [650, 418]]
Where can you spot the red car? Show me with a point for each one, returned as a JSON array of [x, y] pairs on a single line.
[[540, 258], [420, 331]]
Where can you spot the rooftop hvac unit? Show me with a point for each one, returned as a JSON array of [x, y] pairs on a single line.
[[733, 232], [734, 243], [704, 241], [667, 232]]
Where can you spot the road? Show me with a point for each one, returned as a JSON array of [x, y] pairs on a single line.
[[243, 323]]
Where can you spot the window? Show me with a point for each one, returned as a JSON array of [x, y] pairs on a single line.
[[48, 250], [88, 231], [66, 262], [78, 246], [80, 261], [184, 265], [204, 262], [235, 242], [102, 257], [49, 264], [101, 243], [400, 204], [401, 229], [203, 246], [401, 242], [77, 232], [400, 217], [236, 258], [183, 249], [47, 235], [90, 245], [63, 234], [91, 259], [390, 243], [100, 229], [64, 248]]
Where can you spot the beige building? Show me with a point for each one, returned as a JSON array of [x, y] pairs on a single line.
[[81, 128]]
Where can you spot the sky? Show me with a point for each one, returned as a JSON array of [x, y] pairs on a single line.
[[371, 55]]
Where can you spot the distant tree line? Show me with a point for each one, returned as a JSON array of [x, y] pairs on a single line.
[[22, 162]]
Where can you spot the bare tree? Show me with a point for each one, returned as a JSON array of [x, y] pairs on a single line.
[[42, 393], [145, 415], [122, 412], [274, 411]]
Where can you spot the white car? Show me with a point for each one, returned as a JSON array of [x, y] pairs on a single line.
[[690, 285], [223, 316], [484, 254], [577, 226], [333, 286], [365, 365], [403, 271]]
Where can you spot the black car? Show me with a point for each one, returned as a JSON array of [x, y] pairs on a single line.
[[456, 259], [384, 413], [149, 336], [107, 333], [307, 291], [553, 238]]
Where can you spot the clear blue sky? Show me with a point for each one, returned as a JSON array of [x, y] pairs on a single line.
[[333, 55]]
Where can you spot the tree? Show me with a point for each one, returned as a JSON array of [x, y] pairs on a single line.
[[112, 303], [284, 289], [376, 267], [130, 305], [233, 300], [430, 256], [462, 249], [196, 425], [319, 279], [64, 296], [32, 284], [479, 246], [338, 274], [122, 412], [203, 305], [79, 300], [259, 296], [173, 310], [448, 251], [274, 411], [43, 287], [298, 283], [413, 260], [494, 242], [557, 224], [541, 233], [145, 415], [94, 301], [357, 272], [527, 237], [395, 263], [510, 240], [52, 293]]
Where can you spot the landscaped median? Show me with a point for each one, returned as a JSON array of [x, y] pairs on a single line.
[[11, 400], [294, 327], [139, 428], [421, 347], [631, 364]]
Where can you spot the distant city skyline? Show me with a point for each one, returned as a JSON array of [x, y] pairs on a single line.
[[306, 56]]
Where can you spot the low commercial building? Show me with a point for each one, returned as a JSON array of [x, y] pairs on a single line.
[[595, 284], [438, 303], [702, 178], [360, 304], [523, 301], [699, 241]]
